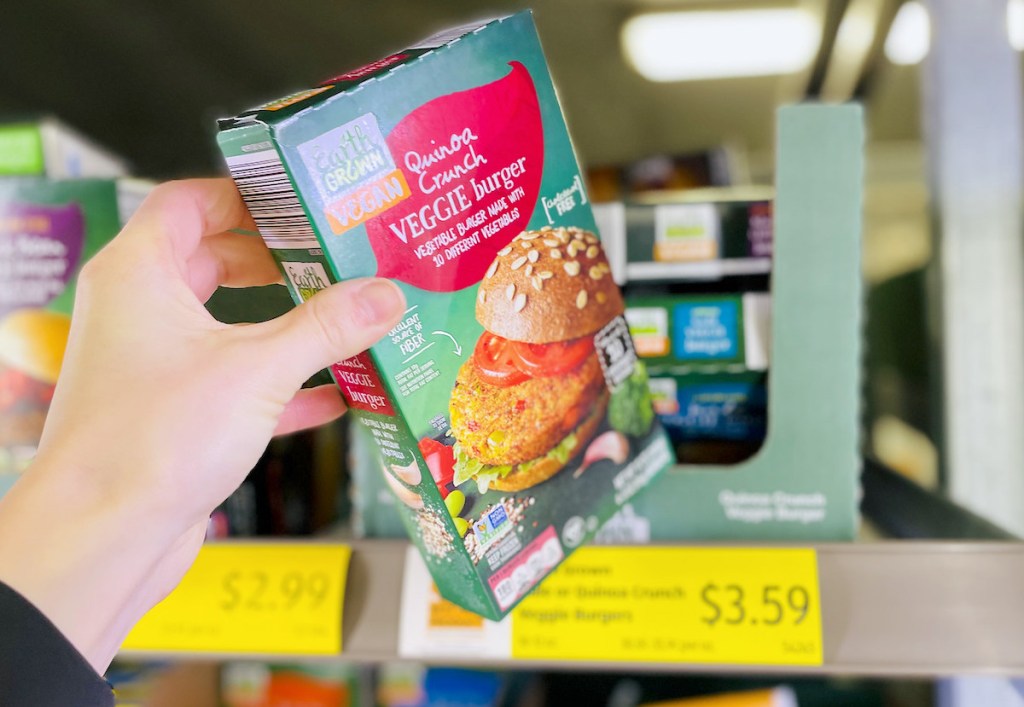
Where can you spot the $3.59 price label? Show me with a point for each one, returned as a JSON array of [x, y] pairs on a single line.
[[777, 604], [252, 598], [693, 605]]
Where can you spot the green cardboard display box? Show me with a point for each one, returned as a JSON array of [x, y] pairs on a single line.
[[803, 483]]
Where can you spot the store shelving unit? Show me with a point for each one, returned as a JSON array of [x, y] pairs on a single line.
[[911, 608], [893, 608]]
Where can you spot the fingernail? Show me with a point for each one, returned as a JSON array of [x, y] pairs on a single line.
[[378, 301]]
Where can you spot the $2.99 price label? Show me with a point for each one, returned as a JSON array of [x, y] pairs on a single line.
[[251, 598], [693, 605]]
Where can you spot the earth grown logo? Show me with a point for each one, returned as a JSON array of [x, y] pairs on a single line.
[[354, 173], [306, 278]]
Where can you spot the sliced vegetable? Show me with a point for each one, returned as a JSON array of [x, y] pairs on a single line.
[[495, 361], [542, 360], [440, 459], [502, 362]]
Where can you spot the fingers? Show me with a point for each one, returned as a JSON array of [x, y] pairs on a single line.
[[338, 322], [232, 260], [311, 407], [176, 216]]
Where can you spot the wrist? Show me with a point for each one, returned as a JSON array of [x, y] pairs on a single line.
[[82, 553]]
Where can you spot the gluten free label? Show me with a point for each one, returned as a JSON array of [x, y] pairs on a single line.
[[690, 605]]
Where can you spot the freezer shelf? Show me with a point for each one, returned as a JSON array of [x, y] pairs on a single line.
[[888, 608]]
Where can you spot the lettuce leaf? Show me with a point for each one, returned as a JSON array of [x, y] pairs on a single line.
[[467, 467]]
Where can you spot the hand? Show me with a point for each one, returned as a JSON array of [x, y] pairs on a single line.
[[161, 411]]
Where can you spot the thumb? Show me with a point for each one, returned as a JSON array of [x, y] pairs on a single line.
[[336, 323]]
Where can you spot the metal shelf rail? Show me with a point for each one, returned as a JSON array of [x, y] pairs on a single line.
[[912, 608]]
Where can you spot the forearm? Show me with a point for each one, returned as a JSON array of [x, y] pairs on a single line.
[[85, 556]]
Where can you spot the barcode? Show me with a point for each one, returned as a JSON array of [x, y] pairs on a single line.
[[272, 201]]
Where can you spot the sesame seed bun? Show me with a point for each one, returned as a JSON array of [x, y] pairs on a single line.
[[548, 285]]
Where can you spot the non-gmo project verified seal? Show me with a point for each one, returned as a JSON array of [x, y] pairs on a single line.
[[492, 526]]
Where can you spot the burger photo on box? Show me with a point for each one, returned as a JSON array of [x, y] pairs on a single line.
[[533, 393]]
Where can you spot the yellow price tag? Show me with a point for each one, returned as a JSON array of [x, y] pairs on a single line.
[[252, 598], [691, 605]]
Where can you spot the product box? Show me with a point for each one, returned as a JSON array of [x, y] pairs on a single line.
[[48, 229], [777, 697], [253, 684], [717, 417], [507, 404], [722, 405], [673, 330], [700, 226], [48, 148]]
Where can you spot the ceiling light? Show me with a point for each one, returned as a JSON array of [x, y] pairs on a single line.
[[685, 46], [909, 35], [1015, 23]]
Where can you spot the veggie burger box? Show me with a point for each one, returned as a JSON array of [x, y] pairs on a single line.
[[511, 414]]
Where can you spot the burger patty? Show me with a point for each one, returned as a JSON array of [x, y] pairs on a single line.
[[513, 424]]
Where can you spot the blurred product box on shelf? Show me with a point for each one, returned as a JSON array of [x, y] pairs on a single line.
[[292, 491], [698, 226], [722, 405], [48, 230], [252, 684], [508, 408], [777, 697], [48, 148], [674, 330], [413, 685], [717, 167], [295, 488]]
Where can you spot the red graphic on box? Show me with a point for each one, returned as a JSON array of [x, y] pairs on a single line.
[[372, 68], [361, 385], [520, 574], [473, 161]]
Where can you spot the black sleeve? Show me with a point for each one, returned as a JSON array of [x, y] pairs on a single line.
[[38, 666]]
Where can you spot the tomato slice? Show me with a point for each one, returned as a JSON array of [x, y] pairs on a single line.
[[440, 460], [495, 361], [542, 360]]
